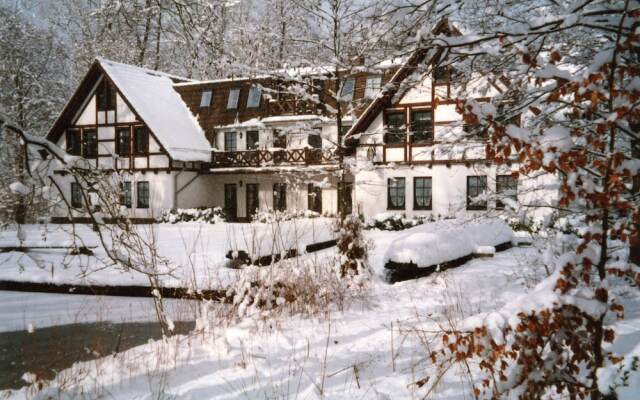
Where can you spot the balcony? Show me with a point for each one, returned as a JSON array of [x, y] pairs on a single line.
[[268, 158]]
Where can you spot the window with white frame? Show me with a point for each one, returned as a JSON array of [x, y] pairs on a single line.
[[205, 99], [232, 102], [372, 86]]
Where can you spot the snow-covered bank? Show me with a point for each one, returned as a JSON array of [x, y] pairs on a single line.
[[24, 311], [196, 252]]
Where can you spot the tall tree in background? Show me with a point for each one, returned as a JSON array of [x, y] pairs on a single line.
[[33, 87], [572, 70]]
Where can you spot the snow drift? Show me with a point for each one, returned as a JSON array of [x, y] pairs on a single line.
[[439, 242]]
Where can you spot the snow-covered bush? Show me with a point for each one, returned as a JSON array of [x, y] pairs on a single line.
[[270, 216], [288, 287], [209, 215], [395, 222], [352, 247]]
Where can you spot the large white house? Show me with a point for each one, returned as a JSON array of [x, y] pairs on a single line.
[[244, 145]]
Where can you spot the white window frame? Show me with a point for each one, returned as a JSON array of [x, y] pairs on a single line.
[[232, 101], [372, 86], [205, 98]]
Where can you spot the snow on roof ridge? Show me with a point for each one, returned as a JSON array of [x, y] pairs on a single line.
[[161, 108], [102, 60]]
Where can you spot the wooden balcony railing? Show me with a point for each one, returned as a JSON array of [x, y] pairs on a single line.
[[264, 158]]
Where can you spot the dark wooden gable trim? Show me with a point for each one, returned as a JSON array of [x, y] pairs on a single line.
[[75, 102], [80, 95], [394, 84]]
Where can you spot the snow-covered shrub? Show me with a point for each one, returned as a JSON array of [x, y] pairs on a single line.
[[270, 216], [289, 287], [209, 215], [352, 247], [395, 222]]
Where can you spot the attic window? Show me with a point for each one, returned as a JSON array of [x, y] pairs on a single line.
[[106, 96], [441, 75], [205, 100], [372, 86], [346, 92], [253, 100], [232, 102]]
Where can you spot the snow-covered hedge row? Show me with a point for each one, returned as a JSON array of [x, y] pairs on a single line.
[[439, 242], [270, 216], [211, 215], [389, 221]]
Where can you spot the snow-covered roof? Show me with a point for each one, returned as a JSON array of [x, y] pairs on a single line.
[[161, 108]]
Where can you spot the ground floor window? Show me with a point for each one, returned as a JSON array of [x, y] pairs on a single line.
[[252, 198], [422, 193], [125, 194], [476, 185], [395, 193], [506, 187], [142, 195], [280, 196], [76, 195], [314, 198]]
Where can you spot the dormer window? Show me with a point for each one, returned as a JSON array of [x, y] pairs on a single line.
[[232, 102], [106, 96], [348, 87], [253, 100], [372, 86], [205, 99]]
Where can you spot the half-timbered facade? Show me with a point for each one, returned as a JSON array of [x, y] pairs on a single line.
[[246, 144]]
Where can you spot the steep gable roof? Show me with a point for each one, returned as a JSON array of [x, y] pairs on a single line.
[[151, 96], [394, 86]]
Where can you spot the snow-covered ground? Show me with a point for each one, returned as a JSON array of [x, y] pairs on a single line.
[[374, 348], [196, 251]]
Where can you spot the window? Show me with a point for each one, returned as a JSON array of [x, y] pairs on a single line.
[[73, 142], [441, 75], [422, 126], [344, 128], [395, 193], [476, 185], [253, 100], [125, 194], [76, 195], [205, 99], [141, 140], [506, 187], [314, 198], [123, 142], [232, 102], [348, 86], [279, 139], [280, 196], [143, 195], [372, 86], [89, 143], [396, 132], [422, 193], [315, 140], [230, 141], [253, 140], [105, 97]]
